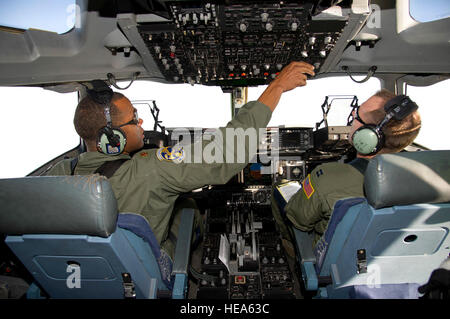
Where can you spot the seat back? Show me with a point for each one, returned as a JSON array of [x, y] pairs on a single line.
[[64, 230], [326, 249], [389, 245]]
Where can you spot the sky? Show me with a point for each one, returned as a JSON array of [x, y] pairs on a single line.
[[54, 15], [429, 10]]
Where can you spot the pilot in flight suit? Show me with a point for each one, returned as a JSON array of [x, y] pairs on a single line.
[[158, 176], [310, 208]]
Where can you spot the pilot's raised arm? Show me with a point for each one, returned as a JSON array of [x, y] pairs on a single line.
[[150, 181], [216, 161]]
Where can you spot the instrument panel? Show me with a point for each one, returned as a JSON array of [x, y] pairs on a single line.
[[256, 265]]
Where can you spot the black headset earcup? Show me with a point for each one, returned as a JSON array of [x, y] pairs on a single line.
[[368, 140], [111, 141]]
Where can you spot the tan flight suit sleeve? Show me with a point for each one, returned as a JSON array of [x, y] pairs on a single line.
[[186, 176], [331, 182], [306, 207]]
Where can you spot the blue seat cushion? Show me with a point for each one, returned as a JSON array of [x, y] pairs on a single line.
[[340, 210], [139, 226], [385, 291]]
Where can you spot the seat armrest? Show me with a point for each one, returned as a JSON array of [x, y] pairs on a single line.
[[307, 259], [304, 243], [182, 253], [182, 249]]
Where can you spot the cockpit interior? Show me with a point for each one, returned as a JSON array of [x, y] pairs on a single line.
[[234, 45]]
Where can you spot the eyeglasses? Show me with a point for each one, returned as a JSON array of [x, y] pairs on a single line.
[[134, 121], [351, 118]]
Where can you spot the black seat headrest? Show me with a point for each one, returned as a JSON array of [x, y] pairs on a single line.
[[81, 205]]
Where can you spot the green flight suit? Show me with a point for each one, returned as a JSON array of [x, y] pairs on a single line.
[[149, 183], [311, 207]]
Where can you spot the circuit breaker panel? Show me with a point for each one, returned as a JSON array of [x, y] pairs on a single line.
[[238, 43]]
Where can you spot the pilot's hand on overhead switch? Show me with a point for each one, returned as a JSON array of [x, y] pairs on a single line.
[[293, 75]]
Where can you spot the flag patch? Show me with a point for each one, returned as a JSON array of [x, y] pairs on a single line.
[[308, 189]]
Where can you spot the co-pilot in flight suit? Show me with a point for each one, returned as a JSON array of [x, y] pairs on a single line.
[[151, 180], [310, 208]]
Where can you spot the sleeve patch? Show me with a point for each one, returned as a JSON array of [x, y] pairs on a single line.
[[170, 154], [308, 188]]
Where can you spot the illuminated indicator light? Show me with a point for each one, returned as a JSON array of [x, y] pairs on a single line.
[[231, 75], [277, 73], [266, 74], [243, 74], [239, 280], [172, 55]]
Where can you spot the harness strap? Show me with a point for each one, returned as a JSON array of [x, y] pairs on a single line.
[[360, 164], [73, 164], [107, 169]]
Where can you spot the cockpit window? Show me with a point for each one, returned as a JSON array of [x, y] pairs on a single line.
[[434, 112], [36, 126], [183, 105], [302, 107], [49, 15], [431, 10], [180, 105]]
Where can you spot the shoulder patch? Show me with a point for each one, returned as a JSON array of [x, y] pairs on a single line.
[[170, 154], [308, 188]]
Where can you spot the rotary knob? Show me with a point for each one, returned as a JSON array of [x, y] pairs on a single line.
[[260, 197], [264, 16], [294, 26], [243, 26]]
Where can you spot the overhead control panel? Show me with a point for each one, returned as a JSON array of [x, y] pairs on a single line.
[[238, 43]]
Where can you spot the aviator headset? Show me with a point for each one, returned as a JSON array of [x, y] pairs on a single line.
[[369, 139], [110, 140]]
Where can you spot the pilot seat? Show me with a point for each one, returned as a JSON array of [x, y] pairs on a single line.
[[68, 233], [387, 244]]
